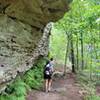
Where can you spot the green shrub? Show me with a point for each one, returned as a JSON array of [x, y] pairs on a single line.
[[15, 91], [34, 77], [12, 97], [93, 97]]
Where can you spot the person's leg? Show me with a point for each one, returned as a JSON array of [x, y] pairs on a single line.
[[46, 85], [49, 84]]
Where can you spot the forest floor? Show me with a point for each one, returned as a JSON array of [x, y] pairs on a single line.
[[98, 90], [62, 89]]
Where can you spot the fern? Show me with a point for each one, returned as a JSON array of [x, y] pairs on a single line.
[[93, 97], [11, 97], [32, 78]]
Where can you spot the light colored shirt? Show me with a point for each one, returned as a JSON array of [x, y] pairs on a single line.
[[52, 65]]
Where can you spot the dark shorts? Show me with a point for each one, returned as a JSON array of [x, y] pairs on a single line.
[[47, 76]]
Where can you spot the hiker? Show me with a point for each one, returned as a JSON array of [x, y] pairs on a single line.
[[48, 71]]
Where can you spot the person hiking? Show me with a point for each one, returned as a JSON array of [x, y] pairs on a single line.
[[48, 71]]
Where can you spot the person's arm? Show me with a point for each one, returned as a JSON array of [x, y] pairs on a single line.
[[52, 66]]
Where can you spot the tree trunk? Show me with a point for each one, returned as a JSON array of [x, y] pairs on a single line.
[[82, 52], [72, 55], [66, 55], [77, 54]]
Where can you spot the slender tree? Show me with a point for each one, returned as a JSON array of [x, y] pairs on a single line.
[[77, 44], [72, 54]]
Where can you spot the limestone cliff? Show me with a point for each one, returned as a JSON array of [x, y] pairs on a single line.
[[22, 35]]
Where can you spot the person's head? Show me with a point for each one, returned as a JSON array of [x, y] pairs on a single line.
[[51, 59]]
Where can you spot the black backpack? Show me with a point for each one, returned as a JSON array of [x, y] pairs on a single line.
[[48, 70]]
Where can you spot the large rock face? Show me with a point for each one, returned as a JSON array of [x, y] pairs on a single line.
[[22, 35], [34, 12]]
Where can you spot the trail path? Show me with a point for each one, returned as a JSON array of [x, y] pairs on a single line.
[[62, 89]]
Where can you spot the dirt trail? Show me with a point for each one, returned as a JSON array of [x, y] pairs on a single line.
[[63, 89]]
